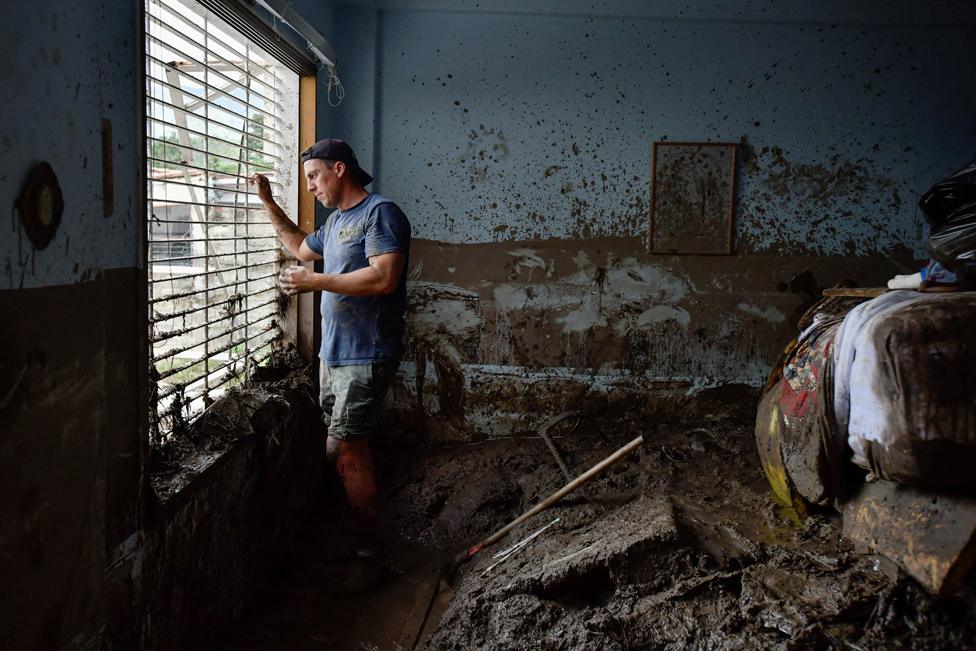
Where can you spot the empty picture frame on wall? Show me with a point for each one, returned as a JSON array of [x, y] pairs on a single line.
[[692, 195]]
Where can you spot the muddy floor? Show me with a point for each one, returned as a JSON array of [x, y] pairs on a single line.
[[678, 546]]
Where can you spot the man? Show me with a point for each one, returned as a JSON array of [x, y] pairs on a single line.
[[364, 245]]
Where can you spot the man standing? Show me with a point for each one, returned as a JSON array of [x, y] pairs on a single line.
[[364, 245]]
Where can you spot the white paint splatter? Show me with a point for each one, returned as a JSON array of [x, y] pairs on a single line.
[[528, 258], [770, 314], [586, 316], [584, 264], [510, 297], [661, 313], [633, 281]]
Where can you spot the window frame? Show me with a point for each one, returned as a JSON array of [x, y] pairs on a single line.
[[296, 320]]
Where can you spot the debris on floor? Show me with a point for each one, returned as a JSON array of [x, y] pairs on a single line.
[[930, 534], [680, 545], [871, 413]]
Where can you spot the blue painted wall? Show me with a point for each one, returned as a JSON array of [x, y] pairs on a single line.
[[66, 67]]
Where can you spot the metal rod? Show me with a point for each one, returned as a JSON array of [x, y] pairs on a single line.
[[167, 317], [206, 231], [215, 271], [228, 376], [544, 433], [234, 115], [522, 543], [179, 202], [215, 188], [209, 223], [503, 556], [175, 9], [212, 239], [173, 371], [247, 299], [180, 332], [208, 257], [176, 389], [211, 121], [171, 125], [212, 91], [207, 153], [192, 167], [176, 50], [176, 13]]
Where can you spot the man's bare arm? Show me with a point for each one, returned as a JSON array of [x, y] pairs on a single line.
[[382, 276], [288, 232]]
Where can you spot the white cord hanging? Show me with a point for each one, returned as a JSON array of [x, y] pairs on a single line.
[[334, 88], [320, 49]]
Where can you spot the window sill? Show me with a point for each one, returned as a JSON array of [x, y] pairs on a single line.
[[256, 416]]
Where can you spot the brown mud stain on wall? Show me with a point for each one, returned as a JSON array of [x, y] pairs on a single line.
[[445, 327], [500, 334], [69, 455]]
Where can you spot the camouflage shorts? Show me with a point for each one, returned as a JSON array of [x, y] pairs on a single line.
[[351, 397]]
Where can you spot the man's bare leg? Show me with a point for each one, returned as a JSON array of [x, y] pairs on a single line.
[[354, 464]]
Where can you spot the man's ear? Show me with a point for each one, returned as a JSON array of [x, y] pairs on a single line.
[[340, 168]]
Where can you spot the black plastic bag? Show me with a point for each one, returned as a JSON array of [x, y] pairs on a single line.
[[953, 244], [948, 195]]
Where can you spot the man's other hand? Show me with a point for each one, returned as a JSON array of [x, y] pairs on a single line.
[[261, 183], [295, 280]]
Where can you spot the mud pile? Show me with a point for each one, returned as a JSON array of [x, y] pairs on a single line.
[[272, 392], [680, 546]]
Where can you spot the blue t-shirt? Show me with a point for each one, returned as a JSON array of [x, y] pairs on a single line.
[[362, 329]]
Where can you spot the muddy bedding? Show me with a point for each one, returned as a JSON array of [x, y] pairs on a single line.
[[892, 379]]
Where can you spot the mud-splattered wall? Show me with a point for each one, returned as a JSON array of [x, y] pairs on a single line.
[[71, 346], [518, 138], [70, 75], [497, 125]]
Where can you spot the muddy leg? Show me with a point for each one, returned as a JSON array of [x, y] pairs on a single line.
[[354, 464]]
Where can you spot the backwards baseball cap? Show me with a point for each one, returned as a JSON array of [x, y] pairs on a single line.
[[337, 150]]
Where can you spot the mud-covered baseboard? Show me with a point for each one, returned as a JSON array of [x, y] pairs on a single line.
[[490, 402]]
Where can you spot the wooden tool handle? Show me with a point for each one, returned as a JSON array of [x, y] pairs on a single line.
[[562, 492]]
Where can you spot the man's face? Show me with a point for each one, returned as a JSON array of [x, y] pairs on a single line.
[[323, 181]]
